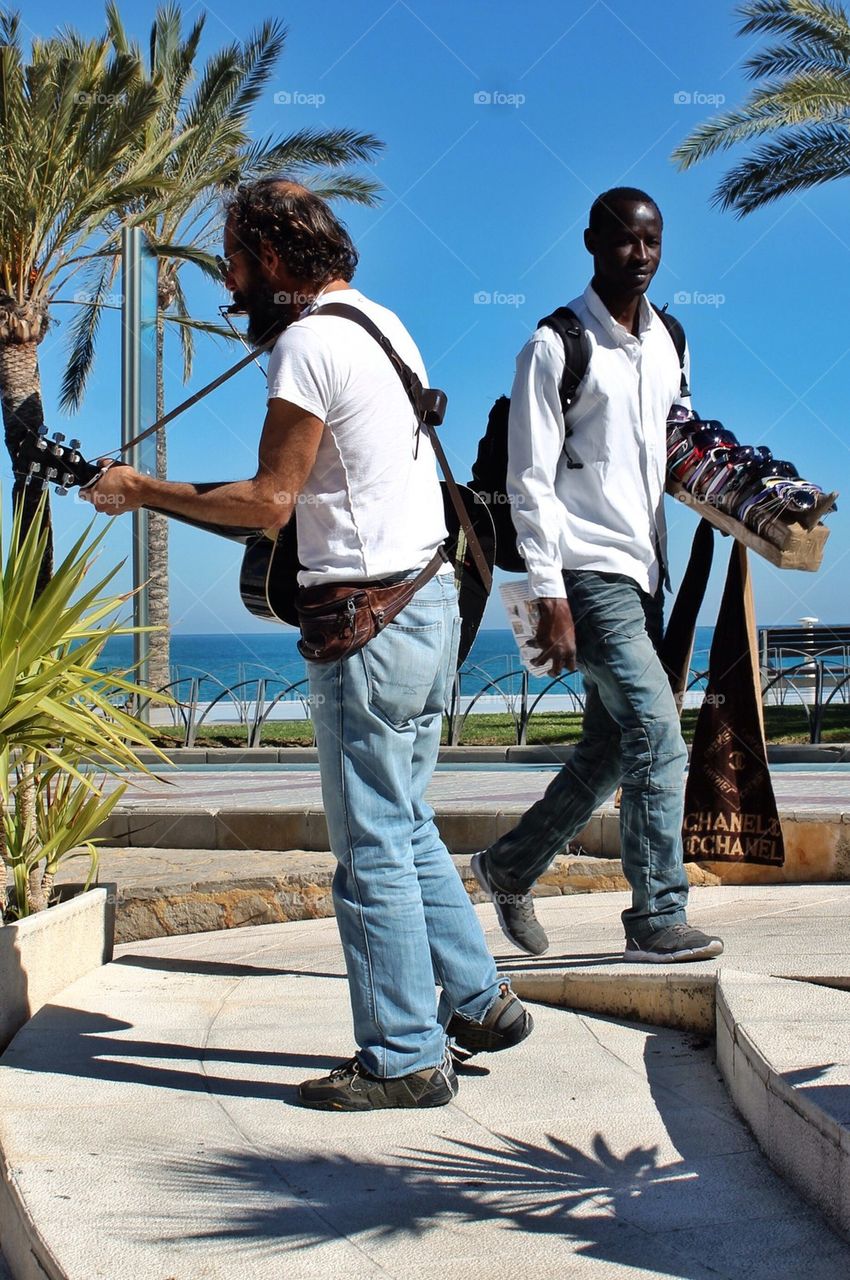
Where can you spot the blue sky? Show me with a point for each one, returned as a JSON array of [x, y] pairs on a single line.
[[502, 121]]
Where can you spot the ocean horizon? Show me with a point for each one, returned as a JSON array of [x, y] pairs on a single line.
[[227, 660]]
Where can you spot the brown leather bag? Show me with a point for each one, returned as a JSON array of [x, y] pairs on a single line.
[[336, 620]]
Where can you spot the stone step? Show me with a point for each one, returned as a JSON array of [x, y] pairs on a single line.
[[783, 1048], [164, 892]]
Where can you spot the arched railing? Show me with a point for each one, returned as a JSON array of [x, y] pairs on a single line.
[[812, 683]]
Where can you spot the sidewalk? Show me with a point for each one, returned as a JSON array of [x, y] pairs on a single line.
[[218, 848], [150, 1127]]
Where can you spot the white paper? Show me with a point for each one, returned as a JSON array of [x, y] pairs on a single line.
[[521, 608]]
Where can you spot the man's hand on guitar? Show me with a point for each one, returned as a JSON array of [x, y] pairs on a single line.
[[117, 489], [555, 636]]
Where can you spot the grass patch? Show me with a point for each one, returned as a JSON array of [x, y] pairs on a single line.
[[551, 728]]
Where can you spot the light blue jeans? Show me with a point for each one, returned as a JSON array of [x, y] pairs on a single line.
[[405, 920], [631, 737]]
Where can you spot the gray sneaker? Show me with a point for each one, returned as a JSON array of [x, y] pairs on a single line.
[[505, 1024], [675, 943], [514, 909]]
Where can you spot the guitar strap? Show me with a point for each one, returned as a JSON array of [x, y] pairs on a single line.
[[414, 391]]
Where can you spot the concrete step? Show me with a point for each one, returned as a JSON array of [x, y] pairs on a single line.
[[163, 892], [149, 1125], [784, 1050], [281, 809]]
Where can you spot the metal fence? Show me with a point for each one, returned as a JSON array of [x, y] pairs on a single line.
[[810, 685]]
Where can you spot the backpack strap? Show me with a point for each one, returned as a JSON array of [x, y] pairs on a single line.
[[571, 331], [677, 334]]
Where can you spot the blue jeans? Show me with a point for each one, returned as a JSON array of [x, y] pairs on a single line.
[[631, 737], [405, 920]]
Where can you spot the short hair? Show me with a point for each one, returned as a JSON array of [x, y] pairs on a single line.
[[603, 211], [298, 224]]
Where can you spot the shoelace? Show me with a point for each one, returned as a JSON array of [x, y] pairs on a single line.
[[349, 1068]]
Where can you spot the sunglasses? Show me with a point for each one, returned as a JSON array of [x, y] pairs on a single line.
[[225, 265]]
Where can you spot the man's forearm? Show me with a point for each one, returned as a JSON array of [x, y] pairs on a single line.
[[240, 503]]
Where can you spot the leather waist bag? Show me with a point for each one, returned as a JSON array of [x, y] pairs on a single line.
[[336, 620]]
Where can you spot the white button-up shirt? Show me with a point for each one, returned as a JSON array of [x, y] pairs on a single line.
[[607, 515]]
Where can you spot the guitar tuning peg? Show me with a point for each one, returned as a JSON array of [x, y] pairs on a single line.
[[58, 436], [61, 490], [42, 431], [51, 473], [74, 444], [67, 480]]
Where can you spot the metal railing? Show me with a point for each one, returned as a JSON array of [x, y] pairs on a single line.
[[199, 698]]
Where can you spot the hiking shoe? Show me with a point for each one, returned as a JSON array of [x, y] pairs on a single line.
[[505, 1023], [349, 1087], [676, 942], [515, 911]]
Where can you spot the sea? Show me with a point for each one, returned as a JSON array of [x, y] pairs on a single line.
[[225, 661]]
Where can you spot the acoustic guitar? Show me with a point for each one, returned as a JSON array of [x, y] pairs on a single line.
[[268, 578]]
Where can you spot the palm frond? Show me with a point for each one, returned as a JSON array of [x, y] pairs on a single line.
[[812, 20], [260, 53], [328, 148], [802, 103], [82, 339], [346, 186], [795, 58], [800, 159]]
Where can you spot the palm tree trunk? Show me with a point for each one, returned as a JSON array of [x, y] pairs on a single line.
[[159, 659], [23, 412]]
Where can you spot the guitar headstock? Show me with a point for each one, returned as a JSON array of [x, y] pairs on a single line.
[[44, 461]]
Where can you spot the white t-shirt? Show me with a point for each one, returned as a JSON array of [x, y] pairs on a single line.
[[369, 508]]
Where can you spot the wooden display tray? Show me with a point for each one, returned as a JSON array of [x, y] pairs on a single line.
[[800, 548]]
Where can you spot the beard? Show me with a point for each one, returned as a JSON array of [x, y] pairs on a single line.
[[268, 310]]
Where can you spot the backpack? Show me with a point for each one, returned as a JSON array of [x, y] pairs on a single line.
[[490, 469]]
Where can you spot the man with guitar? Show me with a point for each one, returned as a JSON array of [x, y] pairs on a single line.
[[343, 453]]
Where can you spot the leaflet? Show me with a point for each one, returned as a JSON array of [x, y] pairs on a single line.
[[521, 608]]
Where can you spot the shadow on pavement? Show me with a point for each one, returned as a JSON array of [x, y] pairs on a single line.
[[87, 1046], [551, 1189], [222, 968]]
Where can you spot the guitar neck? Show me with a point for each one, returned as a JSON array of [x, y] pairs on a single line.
[[234, 533]]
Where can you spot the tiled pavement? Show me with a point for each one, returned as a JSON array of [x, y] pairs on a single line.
[[453, 789]]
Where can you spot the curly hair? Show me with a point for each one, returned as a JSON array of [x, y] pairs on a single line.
[[298, 224]]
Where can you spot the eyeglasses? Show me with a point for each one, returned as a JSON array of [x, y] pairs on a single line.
[[225, 265]]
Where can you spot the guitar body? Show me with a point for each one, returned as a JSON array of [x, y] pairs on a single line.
[[268, 582]]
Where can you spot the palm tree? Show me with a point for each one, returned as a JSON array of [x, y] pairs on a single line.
[[804, 100], [207, 114], [70, 120]]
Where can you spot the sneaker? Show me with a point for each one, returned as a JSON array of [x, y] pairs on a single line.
[[506, 1022], [515, 911], [676, 942], [349, 1087]]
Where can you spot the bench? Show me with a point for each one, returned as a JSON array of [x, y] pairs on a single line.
[[806, 659]]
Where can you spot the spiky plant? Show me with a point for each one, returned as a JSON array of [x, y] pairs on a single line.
[[59, 717]]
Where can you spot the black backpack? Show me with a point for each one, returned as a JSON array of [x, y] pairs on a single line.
[[490, 469]]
